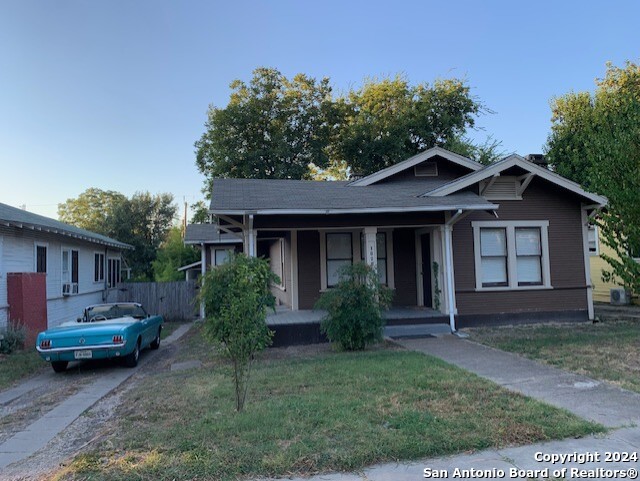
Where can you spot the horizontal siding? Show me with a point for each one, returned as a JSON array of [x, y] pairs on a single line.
[[404, 265], [18, 255], [347, 220], [541, 201]]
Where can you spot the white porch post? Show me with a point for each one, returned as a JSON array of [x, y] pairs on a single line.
[[294, 270], [448, 272], [587, 262], [203, 271], [371, 246], [249, 236]]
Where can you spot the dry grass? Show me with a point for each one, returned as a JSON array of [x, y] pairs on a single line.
[[607, 351], [311, 410]]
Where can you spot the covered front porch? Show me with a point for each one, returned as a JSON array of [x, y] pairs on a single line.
[[303, 326]]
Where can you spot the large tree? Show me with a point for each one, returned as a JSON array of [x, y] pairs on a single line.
[[273, 127], [389, 120], [595, 140], [142, 221]]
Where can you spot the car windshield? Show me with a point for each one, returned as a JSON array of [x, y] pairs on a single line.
[[114, 311]]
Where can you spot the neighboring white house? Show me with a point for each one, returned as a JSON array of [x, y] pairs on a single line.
[[80, 266]]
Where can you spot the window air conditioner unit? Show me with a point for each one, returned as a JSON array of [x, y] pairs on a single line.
[[66, 289], [620, 296]]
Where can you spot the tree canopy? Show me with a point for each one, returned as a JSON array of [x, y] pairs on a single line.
[[275, 127], [142, 221], [173, 254], [595, 140]]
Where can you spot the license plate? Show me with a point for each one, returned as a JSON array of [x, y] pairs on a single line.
[[83, 354]]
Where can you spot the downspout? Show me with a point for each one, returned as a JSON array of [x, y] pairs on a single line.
[[448, 230], [203, 271], [105, 295]]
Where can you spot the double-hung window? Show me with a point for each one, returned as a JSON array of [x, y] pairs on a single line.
[[41, 258], [113, 272], [339, 254], [511, 254], [98, 267], [70, 271]]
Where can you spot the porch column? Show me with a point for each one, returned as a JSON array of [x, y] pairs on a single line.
[[448, 272], [371, 247], [294, 270], [203, 271], [249, 237]]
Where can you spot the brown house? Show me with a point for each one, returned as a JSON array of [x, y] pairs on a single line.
[[455, 240]]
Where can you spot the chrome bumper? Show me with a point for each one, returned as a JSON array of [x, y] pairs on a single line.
[[95, 347]]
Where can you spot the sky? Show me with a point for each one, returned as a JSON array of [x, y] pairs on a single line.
[[113, 93]]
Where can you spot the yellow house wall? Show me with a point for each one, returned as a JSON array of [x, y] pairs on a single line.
[[600, 288]]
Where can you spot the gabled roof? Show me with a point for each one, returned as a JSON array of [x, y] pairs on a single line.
[[513, 160], [415, 160], [275, 197], [21, 219]]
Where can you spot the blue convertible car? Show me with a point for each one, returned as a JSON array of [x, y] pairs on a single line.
[[119, 330]]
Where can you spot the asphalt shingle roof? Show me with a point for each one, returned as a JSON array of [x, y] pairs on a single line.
[[261, 194], [197, 233], [14, 217]]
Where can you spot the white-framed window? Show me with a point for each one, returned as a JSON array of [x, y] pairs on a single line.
[[280, 267], [114, 269], [221, 256], [70, 271], [381, 247], [594, 241], [511, 255], [339, 254], [98, 267], [40, 251]]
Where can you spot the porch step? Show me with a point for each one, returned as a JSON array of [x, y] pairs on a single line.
[[406, 331]]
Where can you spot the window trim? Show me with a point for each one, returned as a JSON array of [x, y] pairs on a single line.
[[113, 260], [512, 269], [37, 244], [74, 288], [100, 280], [326, 254], [214, 250]]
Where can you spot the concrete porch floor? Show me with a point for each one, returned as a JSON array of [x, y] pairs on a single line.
[[403, 322], [284, 315]]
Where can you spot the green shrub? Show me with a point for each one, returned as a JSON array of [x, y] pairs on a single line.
[[236, 297], [354, 308], [12, 338]]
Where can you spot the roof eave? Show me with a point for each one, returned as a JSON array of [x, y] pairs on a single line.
[[371, 210]]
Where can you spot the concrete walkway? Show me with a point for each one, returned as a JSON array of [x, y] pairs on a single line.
[[35, 436], [590, 399]]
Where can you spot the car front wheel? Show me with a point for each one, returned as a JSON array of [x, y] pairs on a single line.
[[131, 360], [59, 366]]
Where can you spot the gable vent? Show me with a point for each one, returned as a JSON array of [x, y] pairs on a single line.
[[426, 169], [502, 188]]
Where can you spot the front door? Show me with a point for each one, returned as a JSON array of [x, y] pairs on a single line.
[[425, 240]]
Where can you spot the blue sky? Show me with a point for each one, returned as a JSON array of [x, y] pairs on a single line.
[[113, 94]]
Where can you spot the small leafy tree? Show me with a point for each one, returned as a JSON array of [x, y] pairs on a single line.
[[236, 297], [354, 308]]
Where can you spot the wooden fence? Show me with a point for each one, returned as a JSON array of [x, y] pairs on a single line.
[[175, 301]]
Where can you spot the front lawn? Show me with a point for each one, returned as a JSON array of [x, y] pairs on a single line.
[[606, 350], [319, 412], [19, 365]]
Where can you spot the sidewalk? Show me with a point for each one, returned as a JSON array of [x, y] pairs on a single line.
[[38, 434], [585, 397]]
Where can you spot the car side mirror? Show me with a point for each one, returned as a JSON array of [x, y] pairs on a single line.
[[79, 319]]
